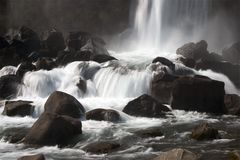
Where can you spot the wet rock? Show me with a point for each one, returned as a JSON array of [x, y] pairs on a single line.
[[14, 135], [82, 85], [19, 48], [3, 43], [188, 62], [53, 129], [24, 68], [101, 58], [194, 51], [234, 155], [103, 115], [55, 42], [33, 157], [149, 132], [162, 86], [205, 132], [213, 57], [165, 62], [18, 108], [198, 94], [45, 63], [8, 57], [230, 70], [232, 103], [232, 54], [9, 85], [177, 154], [145, 106], [64, 104], [101, 147]]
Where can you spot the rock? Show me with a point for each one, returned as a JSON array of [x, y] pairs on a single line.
[[55, 42], [33, 157], [234, 155], [101, 147], [82, 85], [8, 57], [162, 86], [24, 68], [188, 62], [3, 43], [232, 54], [198, 94], [177, 154], [103, 115], [64, 104], [232, 103], [45, 63], [145, 106], [101, 58], [14, 135], [53, 129], [18, 108], [9, 85], [213, 57], [165, 62], [149, 132], [205, 132], [194, 51], [19, 48], [230, 70]]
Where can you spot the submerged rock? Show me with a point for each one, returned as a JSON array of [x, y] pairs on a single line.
[[103, 115], [177, 154], [33, 157], [53, 129], [145, 106], [9, 85], [14, 135], [232, 103], [18, 108], [101, 147], [205, 132], [64, 104], [82, 85], [234, 155], [232, 54], [149, 132]]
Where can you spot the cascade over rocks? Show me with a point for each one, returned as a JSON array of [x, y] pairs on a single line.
[[232, 54], [52, 129], [205, 132], [101, 147], [145, 106], [14, 135], [232, 103], [24, 68], [18, 108], [103, 115], [9, 85], [165, 61], [33, 157], [64, 104]]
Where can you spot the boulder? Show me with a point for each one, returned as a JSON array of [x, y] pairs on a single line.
[[82, 85], [165, 62], [149, 132], [24, 68], [9, 85], [33, 157], [45, 63], [18, 108], [8, 57], [162, 86], [53, 129], [55, 42], [234, 155], [188, 62], [100, 58], [230, 70], [232, 54], [101, 147], [19, 48], [213, 57], [194, 51], [145, 106], [64, 104], [232, 103], [205, 132], [177, 154], [3, 43], [14, 135], [103, 115], [198, 94]]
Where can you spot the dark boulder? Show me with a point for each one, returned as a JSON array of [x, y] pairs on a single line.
[[82, 85], [3, 43], [205, 132], [8, 57], [230, 70], [145, 106], [45, 63], [198, 94], [64, 104], [14, 135], [55, 42], [103, 115], [213, 57], [24, 68], [188, 62], [232, 103], [101, 147], [18, 108], [9, 85], [19, 48], [177, 154], [232, 54], [165, 62], [194, 51], [162, 86], [149, 132], [53, 129], [33, 157], [100, 58]]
